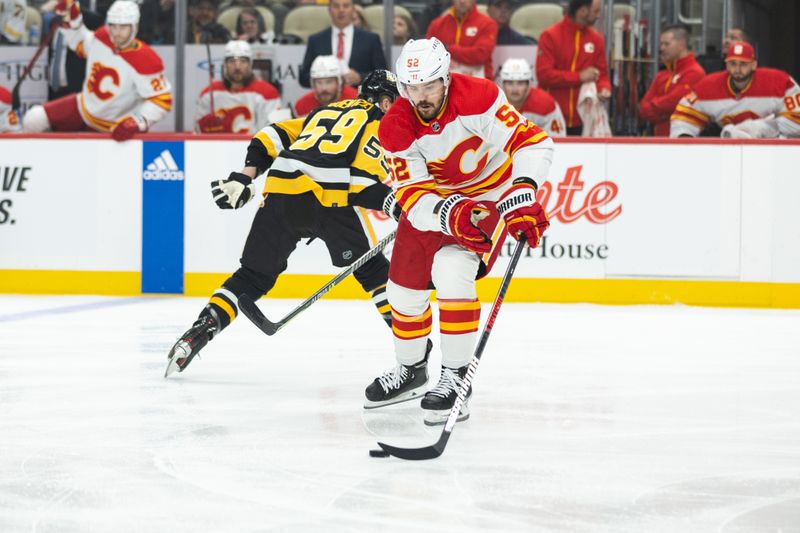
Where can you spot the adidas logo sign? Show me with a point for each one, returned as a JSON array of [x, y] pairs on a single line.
[[163, 167]]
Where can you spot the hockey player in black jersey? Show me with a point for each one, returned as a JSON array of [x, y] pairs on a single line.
[[319, 170]]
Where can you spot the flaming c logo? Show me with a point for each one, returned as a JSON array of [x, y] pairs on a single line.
[[450, 170], [98, 74], [230, 116]]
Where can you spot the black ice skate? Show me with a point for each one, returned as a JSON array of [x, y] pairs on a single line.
[[400, 384], [191, 343], [438, 402]]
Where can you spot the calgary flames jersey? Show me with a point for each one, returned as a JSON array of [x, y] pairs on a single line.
[[9, 121], [541, 108], [770, 92], [476, 146], [333, 153], [242, 111], [119, 84]]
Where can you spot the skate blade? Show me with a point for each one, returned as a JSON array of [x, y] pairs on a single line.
[[438, 418], [172, 365], [410, 395]]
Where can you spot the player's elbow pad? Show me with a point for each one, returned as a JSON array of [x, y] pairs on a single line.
[[257, 156]]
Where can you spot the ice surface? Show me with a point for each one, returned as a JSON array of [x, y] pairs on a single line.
[[584, 419]]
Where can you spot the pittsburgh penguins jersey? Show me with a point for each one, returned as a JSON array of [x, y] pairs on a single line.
[[477, 145], [771, 92], [333, 153], [242, 111], [9, 121], [119, 83], [541, 108]]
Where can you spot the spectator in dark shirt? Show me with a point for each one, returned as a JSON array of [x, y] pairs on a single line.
[[500, 11], [203, 25], [359, 51], [157, 24]]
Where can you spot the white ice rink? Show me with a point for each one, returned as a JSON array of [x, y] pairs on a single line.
[[584, 419]]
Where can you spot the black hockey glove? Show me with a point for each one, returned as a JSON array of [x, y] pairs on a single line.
[[391, 207], [233, 192]]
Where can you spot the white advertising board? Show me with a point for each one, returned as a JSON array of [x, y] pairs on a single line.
[[716, 212], [70, 205]]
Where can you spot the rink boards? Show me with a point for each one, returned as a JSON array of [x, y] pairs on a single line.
[[633, 221]]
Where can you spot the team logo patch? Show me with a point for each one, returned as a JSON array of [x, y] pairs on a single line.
[[588, 48], [472, 31], [436, 127], [738, 49], [347, 255]]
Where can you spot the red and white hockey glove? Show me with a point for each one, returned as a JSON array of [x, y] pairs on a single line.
[[211, 123], [127, 128], [522, 213], [459, 217], [233, 192], [70, 11]]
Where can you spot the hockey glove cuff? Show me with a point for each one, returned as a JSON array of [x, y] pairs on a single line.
[[522, 213], [233, 192], [211, 123], [127, 128], [459, 217], [391, 207]]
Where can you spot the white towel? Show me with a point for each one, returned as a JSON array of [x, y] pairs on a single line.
[[592, 112]]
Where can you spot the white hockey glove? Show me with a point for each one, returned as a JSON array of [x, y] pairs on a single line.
[[391, 207], [763, 128], [233, 192]]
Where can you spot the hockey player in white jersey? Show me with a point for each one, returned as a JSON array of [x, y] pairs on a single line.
[[465, 166], [241, 103], [13, 14], [745, 100], [535, 104], [125, 91]]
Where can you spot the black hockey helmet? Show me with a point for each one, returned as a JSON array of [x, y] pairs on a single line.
[[379, 83]]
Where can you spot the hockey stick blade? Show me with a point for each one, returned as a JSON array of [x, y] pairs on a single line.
[[436, 449], [418, 454], [249, 308]]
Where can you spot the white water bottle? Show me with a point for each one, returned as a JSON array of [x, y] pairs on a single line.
[[33, 34]]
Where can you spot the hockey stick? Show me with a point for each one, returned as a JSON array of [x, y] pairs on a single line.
[[15, 100], [207, 39], [251, 310], [436, 449]]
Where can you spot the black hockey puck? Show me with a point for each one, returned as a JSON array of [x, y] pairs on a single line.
[[378, 453]]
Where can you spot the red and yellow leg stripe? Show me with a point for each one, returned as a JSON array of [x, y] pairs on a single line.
[[407, 327], [457, 317]]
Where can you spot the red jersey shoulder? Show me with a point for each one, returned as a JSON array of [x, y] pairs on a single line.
[[265, 89], [348, 93], [141, 57], [306, 103], [397, 130], [5, 96], [539, 102], [471, 96], [770, 82], [217, 85], [713, 87]]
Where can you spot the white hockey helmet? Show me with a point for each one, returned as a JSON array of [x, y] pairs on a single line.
[[123, 12], [516, 69], [238, 49], [325, 67], [422, 61]]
